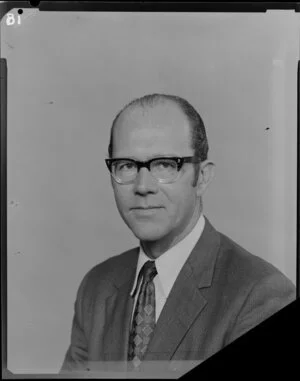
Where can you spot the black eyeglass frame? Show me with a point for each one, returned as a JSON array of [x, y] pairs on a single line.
[[147, 164]]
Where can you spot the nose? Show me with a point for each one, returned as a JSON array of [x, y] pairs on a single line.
[[145, 182]]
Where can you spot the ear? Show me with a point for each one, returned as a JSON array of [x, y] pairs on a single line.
[[206, 174]]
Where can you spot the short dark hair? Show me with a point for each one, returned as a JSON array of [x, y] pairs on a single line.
[[199, 141]]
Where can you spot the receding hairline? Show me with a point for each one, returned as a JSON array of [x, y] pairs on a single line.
[[198, 137], [139, 104]]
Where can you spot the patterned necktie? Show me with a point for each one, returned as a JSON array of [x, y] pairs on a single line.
[[143, 321]]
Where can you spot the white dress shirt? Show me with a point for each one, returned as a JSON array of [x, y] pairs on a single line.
[[168, 266]]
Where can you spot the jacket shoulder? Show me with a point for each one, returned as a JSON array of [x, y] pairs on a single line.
[[246, 268], [249, 287], [104, 274], [113, 265]]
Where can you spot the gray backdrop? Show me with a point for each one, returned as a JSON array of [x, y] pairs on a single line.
[[68, 75]]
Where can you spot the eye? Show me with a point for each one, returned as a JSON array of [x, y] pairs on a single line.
[[165, 164], [125, 166]]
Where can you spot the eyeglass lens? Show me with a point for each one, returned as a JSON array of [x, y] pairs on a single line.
[[162, 169]]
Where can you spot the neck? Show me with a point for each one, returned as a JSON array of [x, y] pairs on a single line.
[[154, 249]]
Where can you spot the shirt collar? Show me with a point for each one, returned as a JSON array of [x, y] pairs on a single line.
[[169, 264]]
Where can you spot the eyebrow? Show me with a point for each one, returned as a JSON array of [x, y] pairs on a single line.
[[149, 157]]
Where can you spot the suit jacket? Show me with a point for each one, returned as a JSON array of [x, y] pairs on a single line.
[[221, 292]]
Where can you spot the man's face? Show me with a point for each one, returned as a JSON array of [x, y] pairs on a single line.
[[142, 134]]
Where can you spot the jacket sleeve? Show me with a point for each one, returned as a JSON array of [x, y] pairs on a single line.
[[266, 297], [76, 356]]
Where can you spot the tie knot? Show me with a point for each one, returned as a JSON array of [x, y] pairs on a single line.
[[149, 271]]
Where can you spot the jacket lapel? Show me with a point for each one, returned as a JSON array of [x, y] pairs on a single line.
[[185, 301], [118, 312]]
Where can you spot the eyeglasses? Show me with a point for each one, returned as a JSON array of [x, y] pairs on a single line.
[[163, 169]]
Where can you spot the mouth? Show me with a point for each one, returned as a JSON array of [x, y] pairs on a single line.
[[146, 207], [146, 211]]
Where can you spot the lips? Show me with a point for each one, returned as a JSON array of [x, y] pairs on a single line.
[[146, 207], [145, 211]]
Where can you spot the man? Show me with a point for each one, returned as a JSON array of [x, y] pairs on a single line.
[[187, 290]]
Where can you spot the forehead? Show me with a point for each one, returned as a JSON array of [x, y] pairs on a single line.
[[149, 131]]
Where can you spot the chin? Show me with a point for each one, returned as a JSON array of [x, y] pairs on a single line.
[[147, 233]]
